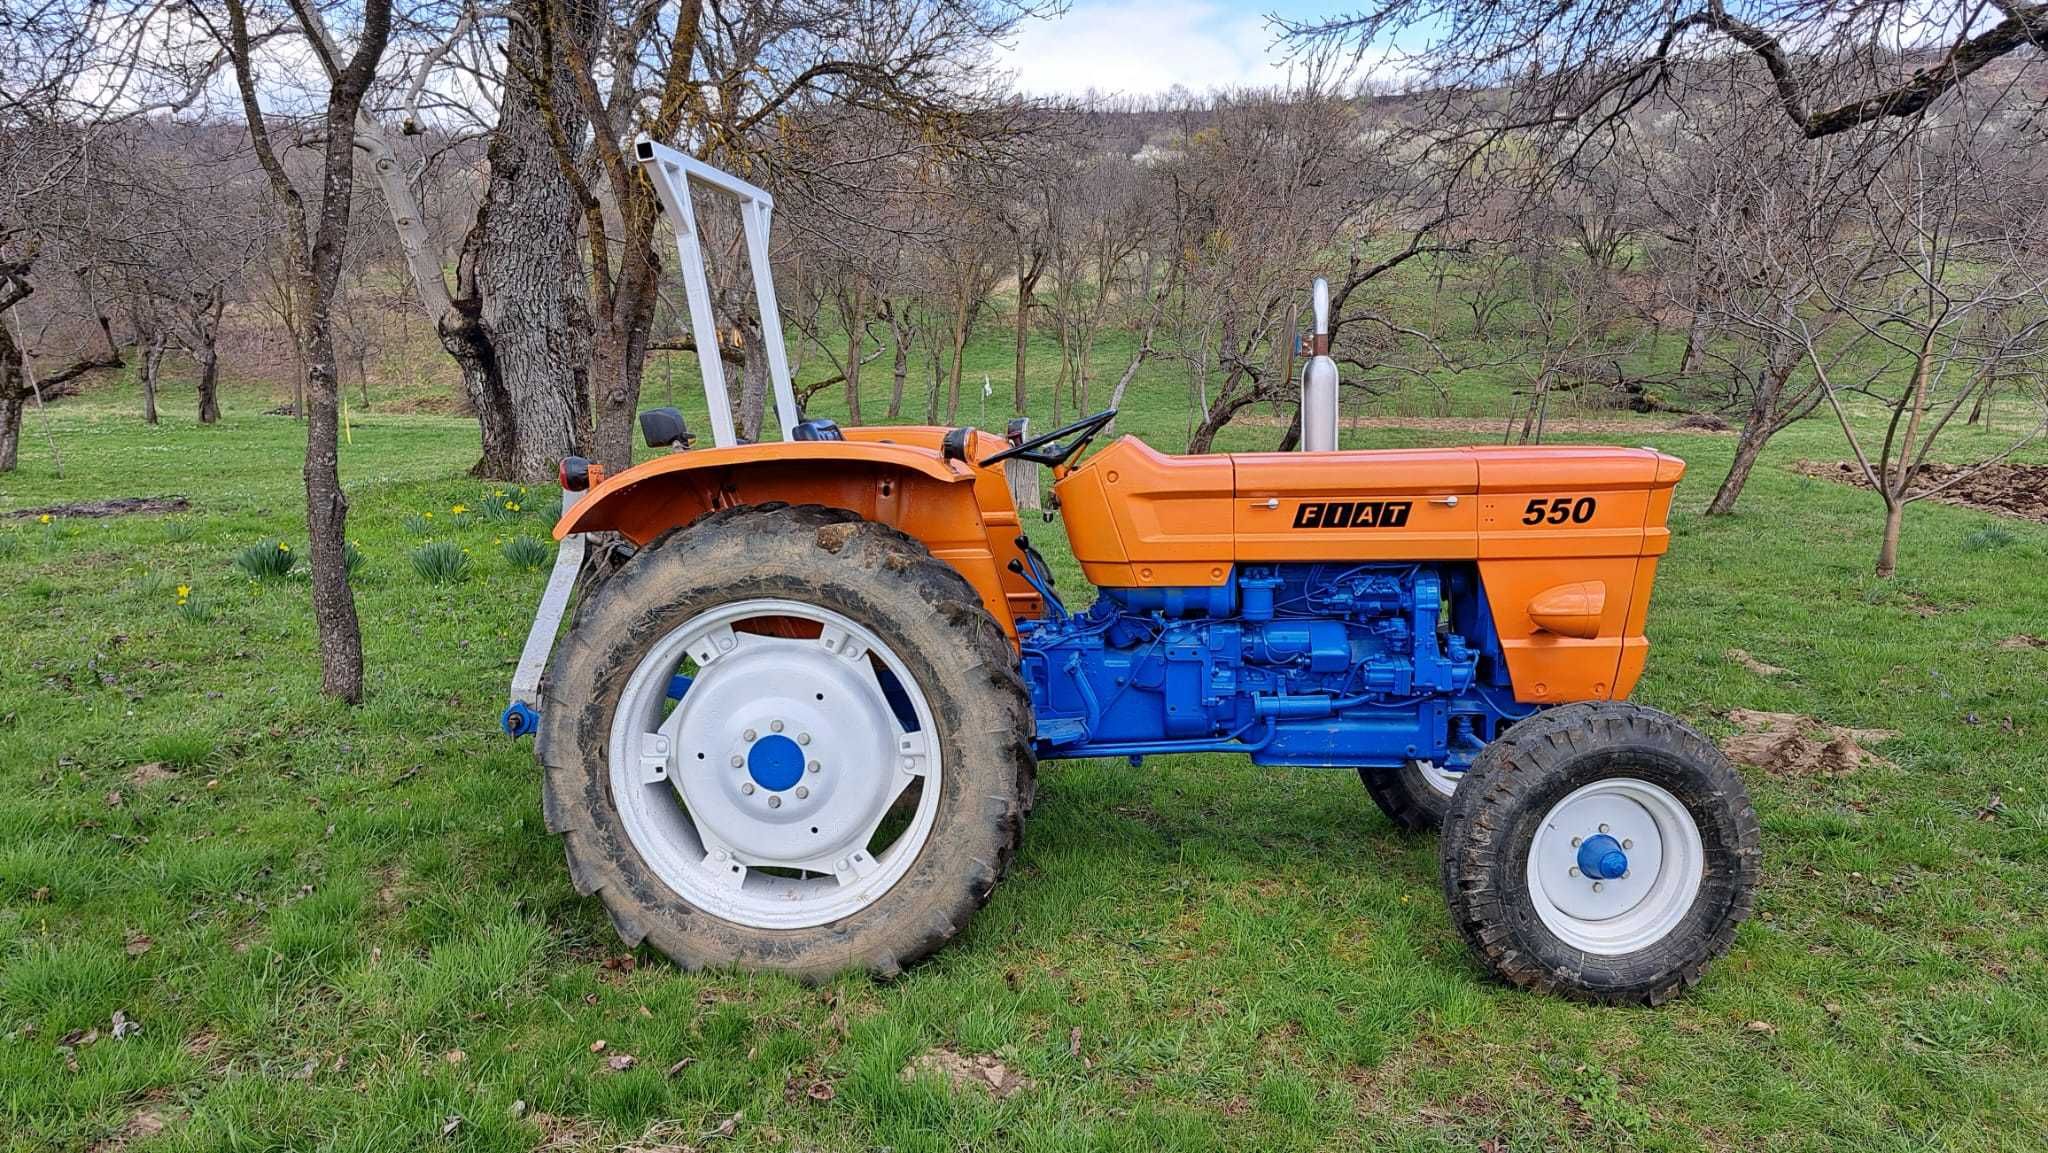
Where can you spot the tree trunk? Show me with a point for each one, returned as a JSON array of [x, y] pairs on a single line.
[[856, 336], [1291, 439], [516, 325], [209, 383], [11, 404], [152, 361], [1888, 552], [1748, 446], [959, 357], [618, 358], [1229, 402], [1757, 428], [1696, 335], [1027, 287], [753, 377], [899, 338], [1531, 428]]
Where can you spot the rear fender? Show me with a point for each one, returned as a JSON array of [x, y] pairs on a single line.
[[910, 487]]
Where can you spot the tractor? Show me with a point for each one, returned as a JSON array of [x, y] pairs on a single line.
[[796, 725]]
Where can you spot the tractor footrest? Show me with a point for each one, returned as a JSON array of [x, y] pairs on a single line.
[[1062, 730]]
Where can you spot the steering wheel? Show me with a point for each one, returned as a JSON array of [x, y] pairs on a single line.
[[1047, 450]]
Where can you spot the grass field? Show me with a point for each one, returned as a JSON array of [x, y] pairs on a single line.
[[345, 929]]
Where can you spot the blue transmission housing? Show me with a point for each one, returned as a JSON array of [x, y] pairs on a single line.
[[1367, 665]]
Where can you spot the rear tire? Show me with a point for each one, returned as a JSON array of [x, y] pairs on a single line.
[[1527, 870], [643, 831], [1415, 796]]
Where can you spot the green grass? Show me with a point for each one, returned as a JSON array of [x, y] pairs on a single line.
[[1198, 954]]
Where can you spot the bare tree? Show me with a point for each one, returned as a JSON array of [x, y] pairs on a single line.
[[714, 78], [1742, 206], [1831, 66], [1939, 267], [316, 251]]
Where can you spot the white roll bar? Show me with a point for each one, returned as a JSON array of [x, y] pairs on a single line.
[[671, 171]]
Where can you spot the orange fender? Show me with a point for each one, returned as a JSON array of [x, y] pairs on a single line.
[[950, 506]]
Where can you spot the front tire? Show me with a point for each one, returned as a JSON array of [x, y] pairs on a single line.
[[1415, 796], [1603, 851], [841, 784]]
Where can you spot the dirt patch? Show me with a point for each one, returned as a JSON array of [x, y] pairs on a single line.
[[145, 1123], [559, 1134], [1702, 422], [2023, 642], [2019, 490], [1760, 668], [151, 773], [115, 506], [981, 1071], [1799, 746]]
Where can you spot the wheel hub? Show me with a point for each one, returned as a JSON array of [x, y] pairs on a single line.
[[1601, 858], [776, 762], [1615, 865]]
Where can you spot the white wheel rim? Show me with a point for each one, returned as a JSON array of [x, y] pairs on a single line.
[[1441, 781], [1594, 911], [758, 796]]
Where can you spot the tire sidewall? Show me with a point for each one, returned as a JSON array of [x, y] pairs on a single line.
[[1510, 791], [1709, 905], [661, 591]]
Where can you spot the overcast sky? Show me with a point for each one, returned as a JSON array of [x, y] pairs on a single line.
[[1146, 46]]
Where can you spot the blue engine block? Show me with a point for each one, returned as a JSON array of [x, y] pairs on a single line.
[[1365, 665]]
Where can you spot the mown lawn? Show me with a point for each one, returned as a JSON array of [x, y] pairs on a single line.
[[346, 929]]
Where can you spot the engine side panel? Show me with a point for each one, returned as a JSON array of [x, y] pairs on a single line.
[[1367, 665]]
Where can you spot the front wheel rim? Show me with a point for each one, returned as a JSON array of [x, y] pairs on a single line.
[[759, 795], [1441, 781], [1615, 866]]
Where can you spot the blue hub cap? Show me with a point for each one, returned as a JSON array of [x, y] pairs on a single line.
[[1600, 857], [775, 762]]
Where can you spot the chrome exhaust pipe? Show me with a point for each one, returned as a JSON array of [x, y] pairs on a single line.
[[1319, 380]]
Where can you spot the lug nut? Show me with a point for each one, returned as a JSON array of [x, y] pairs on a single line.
[[1596, 886], [1603, 828], [802, 792], [1627, 844], [814, 766], [803, 738], [1575, 842], [1575, 870], [910, 764], [774, 802], [748, 788], [774, 726], [749, 734], [738, 760]]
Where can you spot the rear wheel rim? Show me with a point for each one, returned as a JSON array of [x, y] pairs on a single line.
[[758, 796], [1568, 873]]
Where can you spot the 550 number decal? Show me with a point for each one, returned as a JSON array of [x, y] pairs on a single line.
[[1559, 509]]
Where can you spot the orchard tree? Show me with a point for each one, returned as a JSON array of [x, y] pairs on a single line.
[[1940, 266], [316, 230]]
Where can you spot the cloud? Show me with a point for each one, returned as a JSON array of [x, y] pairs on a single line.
[[1144, 46]]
